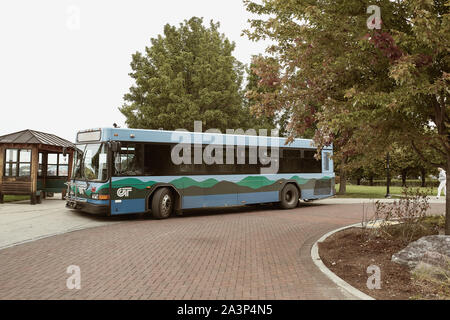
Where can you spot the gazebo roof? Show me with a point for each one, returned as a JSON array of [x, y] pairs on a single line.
[[36, 137]]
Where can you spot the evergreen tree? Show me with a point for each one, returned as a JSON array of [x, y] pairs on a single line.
[[187, 74]]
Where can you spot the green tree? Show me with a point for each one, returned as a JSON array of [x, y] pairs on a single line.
[[317, 60], [262, 119], [363, 89], [416, 108], [405, 161], [187, 74]]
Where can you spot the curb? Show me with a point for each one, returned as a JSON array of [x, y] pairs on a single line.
[[331, 275]]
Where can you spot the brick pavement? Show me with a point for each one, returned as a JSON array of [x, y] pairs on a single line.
[[236, 253]]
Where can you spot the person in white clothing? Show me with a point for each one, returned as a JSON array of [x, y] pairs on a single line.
[[442, 182]]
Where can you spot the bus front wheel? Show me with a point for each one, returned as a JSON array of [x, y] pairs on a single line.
[[162, 203], [289, 196]]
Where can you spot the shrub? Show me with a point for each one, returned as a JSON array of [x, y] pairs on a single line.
[[405, 218]]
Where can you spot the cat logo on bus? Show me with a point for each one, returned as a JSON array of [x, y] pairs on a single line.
[[124, 192]]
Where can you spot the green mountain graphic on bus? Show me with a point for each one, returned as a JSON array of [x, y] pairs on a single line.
[[186, 182], [254, 182], [135, 182]]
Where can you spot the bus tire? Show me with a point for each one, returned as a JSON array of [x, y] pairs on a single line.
[[289, 196], [163, 203]]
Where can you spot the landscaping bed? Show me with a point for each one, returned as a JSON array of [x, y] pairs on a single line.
[[350, 252]]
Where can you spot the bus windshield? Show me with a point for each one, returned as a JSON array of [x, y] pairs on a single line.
[[90, 162]]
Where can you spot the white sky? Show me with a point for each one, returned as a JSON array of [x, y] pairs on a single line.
[[57, 78]]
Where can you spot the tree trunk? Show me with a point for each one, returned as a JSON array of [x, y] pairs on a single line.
[[342, 181], [371, 181], [447, 198], [404, 173], [358, 181], [422, 175], [343, 176]]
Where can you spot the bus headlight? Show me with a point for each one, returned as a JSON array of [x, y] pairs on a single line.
[[94, 196]]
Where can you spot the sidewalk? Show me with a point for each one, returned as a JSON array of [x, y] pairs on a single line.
[[21, 222]]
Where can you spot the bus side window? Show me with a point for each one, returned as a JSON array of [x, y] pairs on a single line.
[[290, 160], [137, 162], [309, 163], [129, 161], [157, 160], [118, 164], [147, 160], [152, 159], [326, 161]]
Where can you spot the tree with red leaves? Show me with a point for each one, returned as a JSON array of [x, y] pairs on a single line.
[[362, 90]]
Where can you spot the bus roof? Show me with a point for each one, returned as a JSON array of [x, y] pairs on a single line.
[[165, 136]]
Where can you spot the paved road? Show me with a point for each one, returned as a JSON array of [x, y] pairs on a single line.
[[238, 253]]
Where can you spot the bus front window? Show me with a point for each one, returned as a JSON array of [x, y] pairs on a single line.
[[91, 162], [77, 158], [95, 162]]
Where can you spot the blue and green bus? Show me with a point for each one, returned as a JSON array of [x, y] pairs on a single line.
[[124, 171]]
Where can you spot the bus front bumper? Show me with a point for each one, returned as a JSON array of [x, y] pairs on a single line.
[[92, 208]]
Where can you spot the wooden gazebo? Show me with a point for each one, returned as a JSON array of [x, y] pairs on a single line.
[[34, 163]]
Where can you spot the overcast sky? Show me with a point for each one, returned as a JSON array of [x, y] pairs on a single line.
[[64, 64]]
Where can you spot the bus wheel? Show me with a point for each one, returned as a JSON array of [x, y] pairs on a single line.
[[289, 196], [162, 203]]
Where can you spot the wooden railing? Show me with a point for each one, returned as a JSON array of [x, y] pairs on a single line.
[[16, 187], [19, 188]]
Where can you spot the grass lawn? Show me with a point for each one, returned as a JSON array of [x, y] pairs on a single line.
[[10, 198], [375, 192]]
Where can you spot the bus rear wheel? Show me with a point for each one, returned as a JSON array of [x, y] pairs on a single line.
[[289, 197], [162, 203]]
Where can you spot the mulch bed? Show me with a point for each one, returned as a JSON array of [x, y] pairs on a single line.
[[348, 253]]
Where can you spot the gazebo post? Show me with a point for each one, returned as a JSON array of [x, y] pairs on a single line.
[[69, 173], [44, 172], [2, 164], [34, 172]]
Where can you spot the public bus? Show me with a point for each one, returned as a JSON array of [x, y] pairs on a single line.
[[125, 171]]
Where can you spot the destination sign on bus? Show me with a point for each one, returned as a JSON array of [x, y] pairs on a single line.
[[89, 136]]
